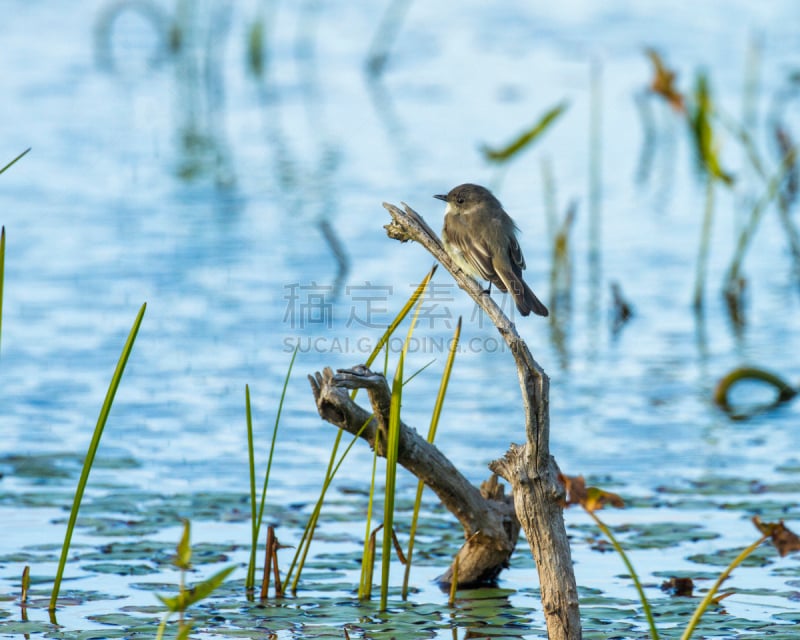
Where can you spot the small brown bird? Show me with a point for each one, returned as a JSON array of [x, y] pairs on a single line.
[[481, 238]]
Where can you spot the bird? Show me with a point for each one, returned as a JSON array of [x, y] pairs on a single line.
[[481, 238]]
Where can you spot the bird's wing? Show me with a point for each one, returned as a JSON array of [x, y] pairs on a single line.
[[515, 253], [476, 254]]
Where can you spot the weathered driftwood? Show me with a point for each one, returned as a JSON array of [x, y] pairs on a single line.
[[529, 468], [489, 527], [486, 515]]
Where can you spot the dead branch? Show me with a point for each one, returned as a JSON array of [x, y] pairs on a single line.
[[529, 468], [486, 515]]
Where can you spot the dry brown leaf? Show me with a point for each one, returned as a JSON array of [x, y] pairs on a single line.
[[663, 82], [590, 498], [575, 487], [783, 538]]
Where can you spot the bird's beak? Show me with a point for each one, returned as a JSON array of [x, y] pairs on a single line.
[[441, 197]]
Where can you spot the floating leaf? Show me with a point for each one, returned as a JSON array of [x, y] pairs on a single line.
[[525, 138]]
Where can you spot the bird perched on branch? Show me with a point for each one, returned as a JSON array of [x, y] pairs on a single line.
[[481, 238]]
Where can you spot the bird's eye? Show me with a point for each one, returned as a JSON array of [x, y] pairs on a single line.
[[460, 200]]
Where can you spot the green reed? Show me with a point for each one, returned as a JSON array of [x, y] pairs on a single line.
[[95, 443], [648, 612], [249, 583], [308, 534], [187, 596], [15, 160], [365, 586], [392, 446], [437, 410], [257, 518]]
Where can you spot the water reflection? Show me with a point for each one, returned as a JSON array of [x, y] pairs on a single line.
[[154, 19], [194, 41], [308, 182]]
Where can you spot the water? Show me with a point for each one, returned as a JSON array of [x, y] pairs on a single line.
[[184, 182]]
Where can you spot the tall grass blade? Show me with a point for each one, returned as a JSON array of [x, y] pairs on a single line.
[[618, 547], [87, 463], [302, 548], [308, 533], [300, 555], [451, 600], [701, 608], [15, 159], [391, 476], [251, 570], [249, 583], [391, 468], [392, 445], [418, 371], [437, 411], [418, 292], [365, 584], [369, 560]]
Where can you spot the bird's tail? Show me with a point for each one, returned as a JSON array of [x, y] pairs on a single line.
[[524, 298]]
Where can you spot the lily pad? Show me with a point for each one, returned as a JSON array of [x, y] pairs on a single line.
[[27, 627], [120, 569], [761, 557]]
